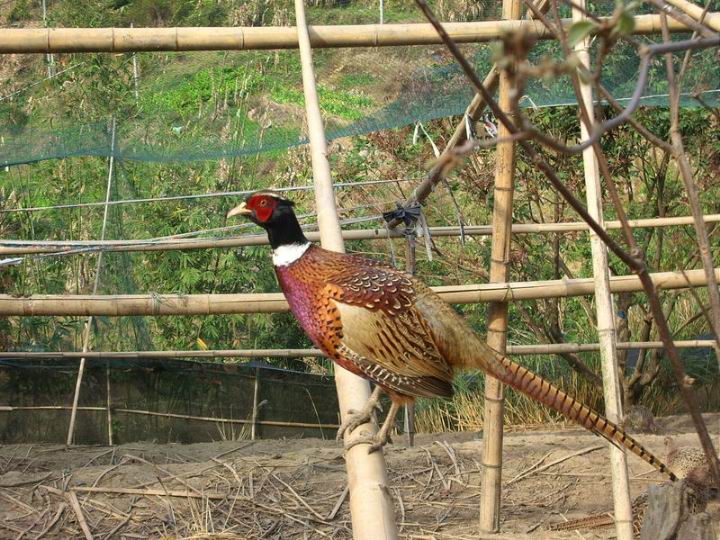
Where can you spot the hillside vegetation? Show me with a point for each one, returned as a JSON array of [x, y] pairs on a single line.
[[190, 104]]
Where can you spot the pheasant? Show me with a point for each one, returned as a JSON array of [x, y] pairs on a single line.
[[390, 328]]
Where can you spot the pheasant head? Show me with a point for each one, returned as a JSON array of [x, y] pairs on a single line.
[[276, 215]]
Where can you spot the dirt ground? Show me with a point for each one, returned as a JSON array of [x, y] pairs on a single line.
[[296, 488]]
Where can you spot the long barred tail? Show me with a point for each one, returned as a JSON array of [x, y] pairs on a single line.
[[596, 521], [527, 382], [601, 521]]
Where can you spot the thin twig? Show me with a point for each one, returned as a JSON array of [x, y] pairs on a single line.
[[71, 496], [532, 470]]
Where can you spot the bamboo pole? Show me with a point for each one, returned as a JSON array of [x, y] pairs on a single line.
[[517, 350], [136, 76], [371, 509], [26, 247], [88, 323], [711, 20], [117, 40], [217, 304], [256, 395], [274, 423], [603, 302], [498, 311], [108, 403]]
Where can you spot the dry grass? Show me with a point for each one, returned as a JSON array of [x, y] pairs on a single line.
[[288, 489], [464, 412]]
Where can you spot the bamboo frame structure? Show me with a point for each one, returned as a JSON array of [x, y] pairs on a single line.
[[74, 40], [603, 300], [28, 247], [217, 304], [497, 321], [544, 348], [371, 509]]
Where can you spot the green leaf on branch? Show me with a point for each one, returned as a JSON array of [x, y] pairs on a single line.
[[625, 24], [579, 31]]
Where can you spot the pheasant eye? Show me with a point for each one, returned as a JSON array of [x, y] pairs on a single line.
[[263, 202]]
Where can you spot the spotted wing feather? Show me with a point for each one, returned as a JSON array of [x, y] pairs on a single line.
[[385, 335]]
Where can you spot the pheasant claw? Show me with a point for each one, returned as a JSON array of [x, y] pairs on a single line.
[[355, 419], [376, 442]]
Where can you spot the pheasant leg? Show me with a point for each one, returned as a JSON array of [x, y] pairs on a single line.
[[382, 437], [356, 419]]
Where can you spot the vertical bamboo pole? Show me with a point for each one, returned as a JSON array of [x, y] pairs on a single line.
[[136, 75], [88, 322], [497, 313], [256, 395], [49, 56], [371, 508], [603, 305], [109, 402]]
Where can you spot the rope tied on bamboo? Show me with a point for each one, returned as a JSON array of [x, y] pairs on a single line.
[[409, 214]]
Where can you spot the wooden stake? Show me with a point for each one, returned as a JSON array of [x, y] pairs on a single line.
[[88, 323], [497, 313], [603, 305], [371, 508]]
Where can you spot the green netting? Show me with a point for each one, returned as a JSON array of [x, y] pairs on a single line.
[[301, 400], [208, 106], [116, 276]]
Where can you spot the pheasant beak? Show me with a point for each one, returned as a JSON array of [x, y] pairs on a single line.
[[240, 210]]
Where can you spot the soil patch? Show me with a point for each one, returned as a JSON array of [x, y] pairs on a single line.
[[297, 489]]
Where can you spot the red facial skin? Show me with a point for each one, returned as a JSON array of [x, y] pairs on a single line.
[[262, 207]]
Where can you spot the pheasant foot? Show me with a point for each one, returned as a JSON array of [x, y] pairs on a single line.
[[376, 441], [382, 437], [356, 419]]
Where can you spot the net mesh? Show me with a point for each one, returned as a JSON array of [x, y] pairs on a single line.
[[183, 107], [289, 403]]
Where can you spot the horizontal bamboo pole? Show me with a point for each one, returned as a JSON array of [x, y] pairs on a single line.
[[26, 247], [277, 423], [73, 40], [215, 304], [712, 20], [518, 350]]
